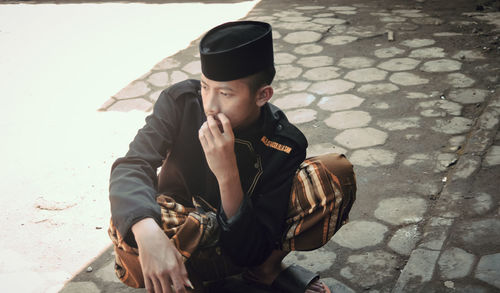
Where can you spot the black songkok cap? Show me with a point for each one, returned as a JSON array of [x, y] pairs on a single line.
[[236, 49]]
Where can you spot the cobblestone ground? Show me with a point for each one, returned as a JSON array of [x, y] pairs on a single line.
[[410, 95]]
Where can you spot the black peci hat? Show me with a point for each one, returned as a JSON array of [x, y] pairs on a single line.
[[236, 49]]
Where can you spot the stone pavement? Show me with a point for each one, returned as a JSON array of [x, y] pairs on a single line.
[[410, 94]]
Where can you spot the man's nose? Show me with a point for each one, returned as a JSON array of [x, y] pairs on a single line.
[[212, 106]]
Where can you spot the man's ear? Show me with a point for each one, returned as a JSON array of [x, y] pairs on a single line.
[[264, 94]]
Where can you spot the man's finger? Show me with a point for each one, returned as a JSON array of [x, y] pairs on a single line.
[[178, 284], [226, 124], [157, 285], [148, 284], [207, 135], [213, 124], [165, 285]]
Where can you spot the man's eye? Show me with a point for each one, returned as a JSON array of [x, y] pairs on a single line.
[[224, 94]]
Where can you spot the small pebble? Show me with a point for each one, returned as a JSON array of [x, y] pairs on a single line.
[[444, 179], [89, 269]]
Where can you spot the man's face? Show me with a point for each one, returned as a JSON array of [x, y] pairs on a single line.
[[232, 98]]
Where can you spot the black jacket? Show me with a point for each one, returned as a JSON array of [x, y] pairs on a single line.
[[268, 155]]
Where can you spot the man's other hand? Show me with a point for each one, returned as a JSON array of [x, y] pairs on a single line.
[[162, 265]]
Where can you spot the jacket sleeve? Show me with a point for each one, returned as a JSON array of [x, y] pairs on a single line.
[[256, 229], [133, 182]]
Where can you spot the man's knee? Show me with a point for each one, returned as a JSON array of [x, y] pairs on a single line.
[[340, 166]]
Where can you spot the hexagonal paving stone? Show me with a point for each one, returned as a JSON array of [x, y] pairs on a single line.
[[405, 239], [392, 19], [284, 58], [447, 34], [468, 96], [481, 235], [481, 203], [329, 21], [324, 15], [167, 63], [468, 55], [415, 159], [417, 95], [340, 102], [360, 234], [131, 104], [312, 260], [308, 49], [455, 263], [388, 52], [381, 105], [285, 13], [302, 26], [348, 119], [433, 52], [193, 67], [301, 115], [402, 26], [284, 72], [356, 62], [459, 80], [414, 15], [331, 87], [370, 268], [324, 148], [311, 7], [366, 75], [492, 156], [153, 97], [159, 79], [338, 29], [399, 64], [342, 8], [399, 124], [295, 18], [177, 76], [315, 61], [442, 65], [133, 90], [378, 88], [322, 73], [407, 79], [361, 137], [372, 157], [440, 108], [294, 101], [401, 210], [340, 40], [302, 37], [428, 20], [290, 86], [488, 269], [366, 31], [455, 125], [416, 43]]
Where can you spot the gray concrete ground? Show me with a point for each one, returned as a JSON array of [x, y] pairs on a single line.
[[409, 92]]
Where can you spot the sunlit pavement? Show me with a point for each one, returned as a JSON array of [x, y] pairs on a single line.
[[409, 94], [58, 64]]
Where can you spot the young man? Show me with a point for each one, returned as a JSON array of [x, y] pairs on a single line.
[[234, 194]]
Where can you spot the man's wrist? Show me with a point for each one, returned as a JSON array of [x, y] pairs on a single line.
[[145, 227]]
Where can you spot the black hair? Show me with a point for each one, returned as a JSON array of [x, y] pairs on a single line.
[[260, 79]]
